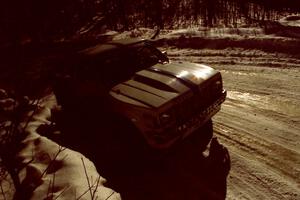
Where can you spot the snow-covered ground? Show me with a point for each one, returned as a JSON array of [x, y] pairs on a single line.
[[47, 170]]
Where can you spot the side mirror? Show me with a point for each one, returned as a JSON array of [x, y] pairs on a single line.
[[164, 57]]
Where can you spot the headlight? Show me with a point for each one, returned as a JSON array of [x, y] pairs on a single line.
[[218, 84], [165, 118]]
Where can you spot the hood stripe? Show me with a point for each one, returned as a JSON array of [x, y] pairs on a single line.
[[136, 99], [185, 81], [129, 85]]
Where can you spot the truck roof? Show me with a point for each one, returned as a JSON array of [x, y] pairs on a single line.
[[111, 46]]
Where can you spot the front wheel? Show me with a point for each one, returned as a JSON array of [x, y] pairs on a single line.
[[201, 137]]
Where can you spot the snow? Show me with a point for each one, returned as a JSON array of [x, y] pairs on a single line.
[[291, 20], [198, 32], [49, 171]]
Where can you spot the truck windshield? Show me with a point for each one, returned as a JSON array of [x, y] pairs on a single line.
[[148, 56], [113, 67]]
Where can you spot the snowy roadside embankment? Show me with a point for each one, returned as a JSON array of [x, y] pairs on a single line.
[[47, 170], [218, 38]]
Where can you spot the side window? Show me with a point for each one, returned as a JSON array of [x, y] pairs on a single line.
[[146, 56], [149, 55]]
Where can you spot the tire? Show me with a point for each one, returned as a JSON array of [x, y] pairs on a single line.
[[201, 137]]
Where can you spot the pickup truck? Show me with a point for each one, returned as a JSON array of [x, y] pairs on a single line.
[[164, 101]]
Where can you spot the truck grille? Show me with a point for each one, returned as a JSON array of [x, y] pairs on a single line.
[[195, 105]]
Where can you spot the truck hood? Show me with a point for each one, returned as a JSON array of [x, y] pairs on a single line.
[[155, 86]]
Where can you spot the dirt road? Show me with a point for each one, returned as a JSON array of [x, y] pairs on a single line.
[[260, 121]]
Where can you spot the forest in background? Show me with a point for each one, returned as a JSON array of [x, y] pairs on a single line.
[[50, 20]]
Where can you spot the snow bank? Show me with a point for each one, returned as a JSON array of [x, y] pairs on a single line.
[[290, 20], [49, 171], [219, 38]]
